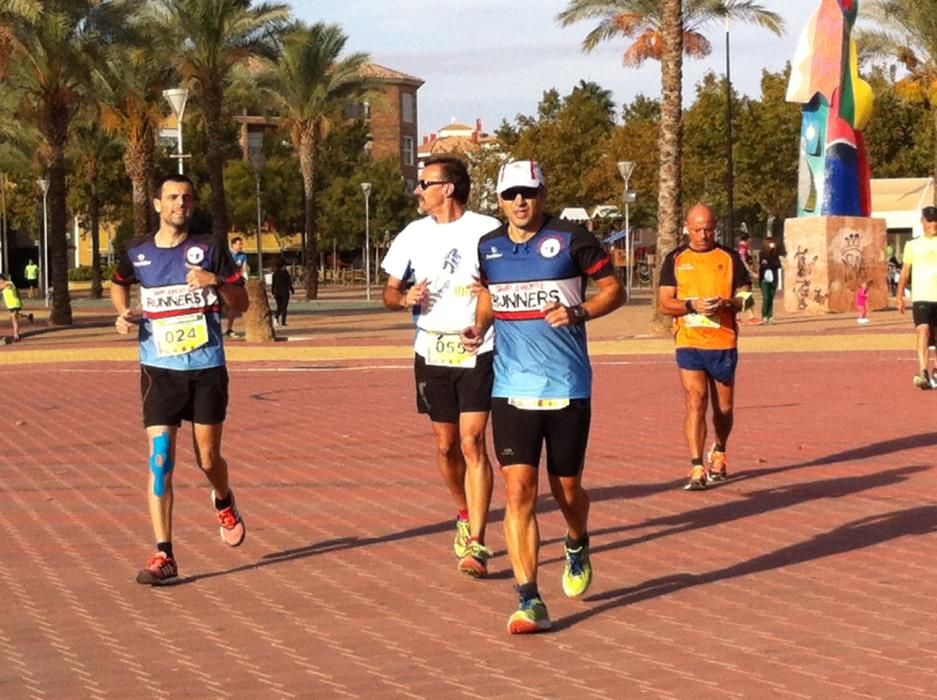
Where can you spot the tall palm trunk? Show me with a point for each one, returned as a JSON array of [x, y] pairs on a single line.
[[670, 141], [94, 214], [57, 135], [214, 134], [138, 164], [308, 151]]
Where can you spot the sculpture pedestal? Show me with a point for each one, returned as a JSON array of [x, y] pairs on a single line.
[[828, 257]]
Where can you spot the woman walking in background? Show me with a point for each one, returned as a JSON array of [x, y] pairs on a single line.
[[769, 273], [282, 289]]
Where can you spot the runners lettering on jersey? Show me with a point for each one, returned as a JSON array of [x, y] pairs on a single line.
[[532, 359], [181, 327], [700, 275]]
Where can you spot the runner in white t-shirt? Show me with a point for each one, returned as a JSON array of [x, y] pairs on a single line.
[[439, 256]]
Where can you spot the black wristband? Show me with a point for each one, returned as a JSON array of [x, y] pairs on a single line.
[[689, 306]]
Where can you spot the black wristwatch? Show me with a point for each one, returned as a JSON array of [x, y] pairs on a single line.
[[579, 313], [689, 306]]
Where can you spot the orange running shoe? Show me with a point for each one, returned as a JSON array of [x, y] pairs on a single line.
[[160, 570], [718, 465], [232, 524], [697, 480]]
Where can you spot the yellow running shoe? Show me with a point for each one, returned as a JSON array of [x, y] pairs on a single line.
[[475, 563], [718, 465], [531, 617], [463, 535], [577, 576], [697, 481]]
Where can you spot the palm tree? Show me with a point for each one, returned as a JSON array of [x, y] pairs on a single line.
[[664, 30], [128, 87], [212, 37], [670, 141], [93, 151], [54, 43], [310, 88], [907, 32]]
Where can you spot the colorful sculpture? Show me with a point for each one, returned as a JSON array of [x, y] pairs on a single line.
[[834, 166]]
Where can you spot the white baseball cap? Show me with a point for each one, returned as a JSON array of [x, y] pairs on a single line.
[[520, 173]]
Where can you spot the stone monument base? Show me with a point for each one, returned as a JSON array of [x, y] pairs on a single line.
[[828, 257]]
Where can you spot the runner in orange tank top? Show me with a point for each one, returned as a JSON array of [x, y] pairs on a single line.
[[703, 285]]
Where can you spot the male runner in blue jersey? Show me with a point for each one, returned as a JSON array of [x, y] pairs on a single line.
[[183, 279], [534, 273]]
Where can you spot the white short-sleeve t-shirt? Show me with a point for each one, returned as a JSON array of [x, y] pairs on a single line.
[[921, 254], [445, 256]]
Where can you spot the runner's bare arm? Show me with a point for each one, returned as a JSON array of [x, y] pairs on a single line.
[[234, 295], [120, 298], [396, 299], [610, 296], [902, 286], [473, 336]]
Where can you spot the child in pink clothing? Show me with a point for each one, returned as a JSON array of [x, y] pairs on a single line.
[[862, 303]]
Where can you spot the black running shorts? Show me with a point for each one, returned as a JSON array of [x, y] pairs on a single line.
[[519, 435], [924, 313], [171, 396], [446, 392]]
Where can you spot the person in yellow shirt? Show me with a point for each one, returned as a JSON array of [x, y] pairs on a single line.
[[703, 285], [11, 298], [920, 268]]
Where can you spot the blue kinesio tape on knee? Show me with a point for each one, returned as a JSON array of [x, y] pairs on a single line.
[[160, 464]]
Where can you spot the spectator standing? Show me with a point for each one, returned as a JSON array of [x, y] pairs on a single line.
[[32, 278], [769, 275], [282, 290]]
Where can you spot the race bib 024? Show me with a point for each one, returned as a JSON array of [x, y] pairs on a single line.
[[178, 335]]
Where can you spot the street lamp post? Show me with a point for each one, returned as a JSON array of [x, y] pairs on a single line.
[[43, 184], [176, 98], [730, 175], [366, 188], [258, 161], [625, 168]]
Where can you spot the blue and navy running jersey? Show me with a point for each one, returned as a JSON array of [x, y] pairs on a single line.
[[532, 359], [169, 306]]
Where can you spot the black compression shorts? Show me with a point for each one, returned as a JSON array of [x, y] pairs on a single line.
[[519, 435]]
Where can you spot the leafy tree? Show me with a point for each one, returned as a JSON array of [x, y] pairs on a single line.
[[281, 195], [635, 140], [310, 88], [663, 31], [907, 32], [128, 86], [900, 134], [766, 152], [211, 38], [567, 140], [96, 157], [54, 44], [391, 207]]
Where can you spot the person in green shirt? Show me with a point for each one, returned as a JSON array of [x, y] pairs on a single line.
[[32, 278], [11, 297]]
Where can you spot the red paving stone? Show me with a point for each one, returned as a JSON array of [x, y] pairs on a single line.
[[807, 575]]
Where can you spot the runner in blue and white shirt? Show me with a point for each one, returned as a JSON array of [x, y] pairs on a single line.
[[534, 271], [183, 280]]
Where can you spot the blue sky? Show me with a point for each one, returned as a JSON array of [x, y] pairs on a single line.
[[494, 58]]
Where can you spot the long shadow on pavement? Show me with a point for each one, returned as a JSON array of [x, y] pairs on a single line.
[[858, 534], [758, 502]]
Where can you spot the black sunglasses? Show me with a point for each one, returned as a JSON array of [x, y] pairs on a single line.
[[510, 195], [426, 184]]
